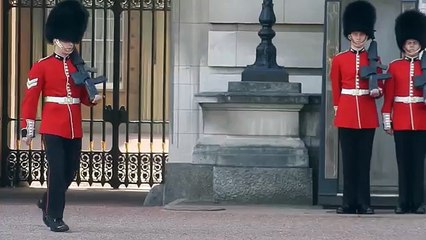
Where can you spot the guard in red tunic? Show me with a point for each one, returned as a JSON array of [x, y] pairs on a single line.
[[61, 121], [404, 111], [355, 107]]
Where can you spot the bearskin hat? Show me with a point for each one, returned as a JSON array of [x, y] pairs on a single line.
[[410, 24], [67, 21], [359, 16]]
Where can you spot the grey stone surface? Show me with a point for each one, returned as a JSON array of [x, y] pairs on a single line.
[[187, 205], [278, 87], [251, 156], [254, 73], [155, 196], [260, 168], [263, 185], [22, 221], [309, 15], [251, 120], [310, 126], [250, 169], [193, 182], [206, 153], [76, 195], [290, 52], [264, 156], [188, 181], [262, 98], [310, 120], [223, 11]]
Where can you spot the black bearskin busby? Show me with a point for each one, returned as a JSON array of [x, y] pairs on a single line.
[[67, 21], [410, 24], [359, 16]]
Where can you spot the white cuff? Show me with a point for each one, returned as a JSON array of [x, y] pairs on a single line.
[[387, 122], [29, 129]]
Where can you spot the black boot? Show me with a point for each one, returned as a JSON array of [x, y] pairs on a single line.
[[420, 210], [400, 210], [365, 210], [42, 206], [345, 210], [57, 225]]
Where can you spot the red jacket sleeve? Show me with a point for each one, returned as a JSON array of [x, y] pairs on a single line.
[[85, 97], [34, 87], [389, 92], [336, 81]]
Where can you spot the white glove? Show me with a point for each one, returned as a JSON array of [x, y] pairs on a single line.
[[97, 99], [27, 133], [375, 93]]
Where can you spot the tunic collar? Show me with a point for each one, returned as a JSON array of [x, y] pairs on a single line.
[[57, 56], [411, 59], [357, 51]]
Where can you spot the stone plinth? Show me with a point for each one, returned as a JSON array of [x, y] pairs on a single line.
[[250, 149]]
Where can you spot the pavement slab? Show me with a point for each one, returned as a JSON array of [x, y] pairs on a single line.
[[103, 220]]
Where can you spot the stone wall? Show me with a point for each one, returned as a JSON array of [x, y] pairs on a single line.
[[212, 42]]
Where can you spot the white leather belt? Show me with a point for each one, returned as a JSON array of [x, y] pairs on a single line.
[[409, 99], [355, 92], [62, 100]]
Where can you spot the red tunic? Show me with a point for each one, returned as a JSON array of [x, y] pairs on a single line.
[[355, 112], [405, 116], [48, 76]]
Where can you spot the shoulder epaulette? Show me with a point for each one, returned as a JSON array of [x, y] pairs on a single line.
[[395, 60], [42, 59], [340, 53]]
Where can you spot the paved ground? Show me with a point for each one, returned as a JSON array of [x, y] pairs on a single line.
[[124, 218]]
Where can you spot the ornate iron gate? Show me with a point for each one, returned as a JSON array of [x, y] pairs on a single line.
[[126, 139]]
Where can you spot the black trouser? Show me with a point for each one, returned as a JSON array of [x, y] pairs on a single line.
[[63, 157], [357, 145], [410, 149]]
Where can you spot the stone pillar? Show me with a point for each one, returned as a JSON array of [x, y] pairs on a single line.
[[189, 54]]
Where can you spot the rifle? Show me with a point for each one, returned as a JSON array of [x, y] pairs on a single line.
[[370, 72], [82, 77], [420, 80]]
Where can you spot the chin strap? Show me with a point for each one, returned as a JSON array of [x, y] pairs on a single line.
[[59, 44]]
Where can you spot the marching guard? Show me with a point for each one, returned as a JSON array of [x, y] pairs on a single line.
[[61, 121]]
